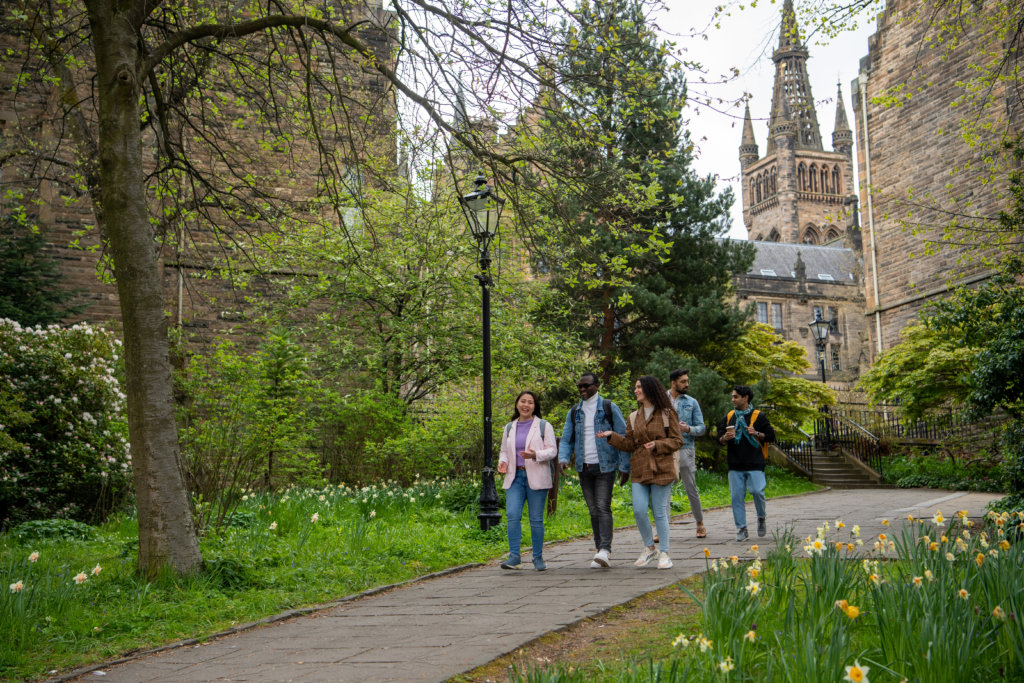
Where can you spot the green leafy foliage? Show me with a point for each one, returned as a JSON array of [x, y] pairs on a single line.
[[30, 289], [640, 269], [769, 364], [927, 471], [64, 447], [928, 369]]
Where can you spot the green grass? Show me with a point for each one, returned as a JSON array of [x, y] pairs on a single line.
[[934, 604], [360, 539]]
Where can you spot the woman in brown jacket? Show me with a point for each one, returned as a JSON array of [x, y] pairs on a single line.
[[652, 436]]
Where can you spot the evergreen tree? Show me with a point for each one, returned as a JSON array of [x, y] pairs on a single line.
[[649, 271], [30, 291]]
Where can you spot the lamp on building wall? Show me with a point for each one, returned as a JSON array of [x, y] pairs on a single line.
[[483, 211], [819, 331]]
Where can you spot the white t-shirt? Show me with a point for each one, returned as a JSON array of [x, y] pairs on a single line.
[[589, 440]]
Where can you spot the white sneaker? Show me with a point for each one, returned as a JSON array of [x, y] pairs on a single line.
[[602, 558], [664, 561], [595, 565], [647, 555]]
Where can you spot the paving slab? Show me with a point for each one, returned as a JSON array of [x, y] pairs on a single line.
[[444, 626]]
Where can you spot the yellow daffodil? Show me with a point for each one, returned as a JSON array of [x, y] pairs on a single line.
[[999, 614], [839, 524], [681, 641], [885, 522], [857, 673], [753, 587], [979, 559], [949, 557], [750, 636], [928, 575], [842, 604], [962, 514], [707, 553], [963, 594], [19, 585], [96, 570], [917, 581], [938, 519], [80, 578], [754, 549], [726, 665], [33, 556], [852, 611]]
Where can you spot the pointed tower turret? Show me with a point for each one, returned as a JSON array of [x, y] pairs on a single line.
[[842, 136], [792, 88], [748, 146]]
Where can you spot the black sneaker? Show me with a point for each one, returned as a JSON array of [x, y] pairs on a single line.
[[742, 534]]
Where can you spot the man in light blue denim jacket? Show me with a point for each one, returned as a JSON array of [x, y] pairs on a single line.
[[596, 460], [691, 423]]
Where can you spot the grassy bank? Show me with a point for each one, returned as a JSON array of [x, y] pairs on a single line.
[[79, 600]]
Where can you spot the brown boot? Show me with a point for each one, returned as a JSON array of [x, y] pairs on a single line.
[[701, 531]]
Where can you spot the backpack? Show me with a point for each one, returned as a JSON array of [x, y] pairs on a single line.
[[607, 411], [664, 420], [765, 447]]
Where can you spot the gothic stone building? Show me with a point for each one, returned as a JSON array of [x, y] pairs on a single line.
[[796, 208], [907, 155]]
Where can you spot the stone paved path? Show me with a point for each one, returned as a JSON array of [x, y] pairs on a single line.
[[435, 629]]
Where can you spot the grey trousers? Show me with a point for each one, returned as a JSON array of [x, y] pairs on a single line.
[[686, 465]]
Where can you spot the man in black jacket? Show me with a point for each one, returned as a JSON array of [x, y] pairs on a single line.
[[744, 431]]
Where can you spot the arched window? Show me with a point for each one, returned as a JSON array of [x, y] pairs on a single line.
[[801, 177], [825, 179], [774, 236], [759, 238], [757, 190], [774, 176], [836, 186], [810, 235], [832, 234], [814, 178]]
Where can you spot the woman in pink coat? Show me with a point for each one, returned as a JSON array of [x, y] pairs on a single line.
[[527, 447]]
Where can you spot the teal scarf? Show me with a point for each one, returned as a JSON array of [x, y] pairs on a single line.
[[741, 428]]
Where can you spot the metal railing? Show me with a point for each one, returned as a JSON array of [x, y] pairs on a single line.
[[888, 422], [845, 433]]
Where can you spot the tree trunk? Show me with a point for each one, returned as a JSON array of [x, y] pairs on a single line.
[[167, 536]]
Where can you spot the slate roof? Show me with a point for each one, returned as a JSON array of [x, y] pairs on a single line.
[[840, 263]]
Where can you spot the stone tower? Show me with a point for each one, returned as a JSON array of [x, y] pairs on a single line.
[[796, 192]]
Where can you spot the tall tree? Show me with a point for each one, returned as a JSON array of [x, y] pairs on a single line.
[[646, 268]]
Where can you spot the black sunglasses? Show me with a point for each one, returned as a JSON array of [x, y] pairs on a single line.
[[582, 385]]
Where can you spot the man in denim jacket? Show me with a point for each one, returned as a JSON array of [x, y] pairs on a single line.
[[691, 423], [596, 460]]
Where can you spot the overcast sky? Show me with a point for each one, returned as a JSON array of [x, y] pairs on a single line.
[[745, 41]]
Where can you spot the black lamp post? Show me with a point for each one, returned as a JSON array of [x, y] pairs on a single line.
[[483, 210], [819, 330]]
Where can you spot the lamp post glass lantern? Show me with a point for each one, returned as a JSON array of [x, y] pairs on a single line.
[[819, 330], [483, 211]]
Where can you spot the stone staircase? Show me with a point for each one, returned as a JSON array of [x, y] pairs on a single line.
[[836, 470]]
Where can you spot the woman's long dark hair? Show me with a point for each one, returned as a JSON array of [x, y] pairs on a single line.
[[654, 392], [536, 404]]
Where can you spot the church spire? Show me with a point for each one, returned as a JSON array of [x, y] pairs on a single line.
[[748, 145], [792, 89], [842, 136]]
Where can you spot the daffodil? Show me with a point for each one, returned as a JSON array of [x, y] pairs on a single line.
[[852, 611], [963, 594], [80, 578], [917, 581], [979, 559], [33, 556], [681, 641], [273, 525], [750, 636], [885, 522], [949, 557], [315, 518], [96, 570], [857, 673], [19, 585], [998, 614], [707, 552], [928, 575], [726, 665], [753, 587]]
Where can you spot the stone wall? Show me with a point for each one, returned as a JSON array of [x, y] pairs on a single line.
[[914, 148]]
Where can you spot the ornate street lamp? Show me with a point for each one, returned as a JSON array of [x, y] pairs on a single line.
[[483, 211], [819, 330]]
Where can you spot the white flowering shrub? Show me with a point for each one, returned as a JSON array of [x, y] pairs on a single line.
[[63, 430]]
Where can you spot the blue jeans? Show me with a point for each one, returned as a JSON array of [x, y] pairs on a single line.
[[597, 489], [739, 483], [516, 495], [656, 497]]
